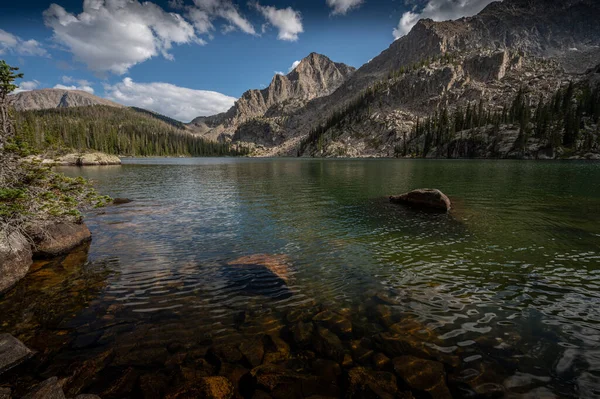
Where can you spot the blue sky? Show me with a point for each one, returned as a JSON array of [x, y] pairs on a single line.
[[186, 58]]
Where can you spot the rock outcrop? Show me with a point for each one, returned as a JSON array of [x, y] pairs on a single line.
[[12, 352], [54, 239], [77, 159], [424, 198], [15, 259], [56, 98]]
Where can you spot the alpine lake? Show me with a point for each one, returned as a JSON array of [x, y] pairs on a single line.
[[296, 278]]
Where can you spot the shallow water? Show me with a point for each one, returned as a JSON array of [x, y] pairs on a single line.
[[504, 290]]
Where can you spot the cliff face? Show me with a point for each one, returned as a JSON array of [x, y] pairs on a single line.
[[537, 44], [315, 76], [56, 98]]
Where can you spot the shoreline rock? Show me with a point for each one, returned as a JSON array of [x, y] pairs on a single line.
[[58, 238], [12, 352], [424, 198], [15, 259]]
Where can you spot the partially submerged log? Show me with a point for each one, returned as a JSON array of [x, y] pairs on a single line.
[[424, 198]]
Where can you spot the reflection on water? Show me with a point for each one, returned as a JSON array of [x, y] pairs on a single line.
[[221, 265]]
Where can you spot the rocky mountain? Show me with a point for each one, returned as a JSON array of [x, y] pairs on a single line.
[[537, 44], [56, 98], [315, 76]]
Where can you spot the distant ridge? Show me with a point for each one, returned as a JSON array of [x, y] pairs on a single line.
[[57, 98]]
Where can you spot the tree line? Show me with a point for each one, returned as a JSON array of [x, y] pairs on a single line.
[[118, 131], [561, 120]]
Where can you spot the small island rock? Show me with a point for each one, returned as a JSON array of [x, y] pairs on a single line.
[[425, 197]]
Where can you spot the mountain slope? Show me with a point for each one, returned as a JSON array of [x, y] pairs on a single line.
[[315, 76], [540, 44], [56, 98]]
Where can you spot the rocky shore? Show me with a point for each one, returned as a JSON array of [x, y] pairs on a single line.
[[47, 240]]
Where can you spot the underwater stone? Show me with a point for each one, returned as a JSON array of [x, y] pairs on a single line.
[[49, 389], [12, 352], [364, 383], [328, 344], [423, 375]]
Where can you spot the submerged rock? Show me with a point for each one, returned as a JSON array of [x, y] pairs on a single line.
[[58, 238], [425, 198], [120, 201], [423, 375], [15, 259], [302, 333], [206, 388], [5, 393], [216, 388], [253, 351], [364, 383], [49, 389], [328, 344], [277, 264], [12, 352]]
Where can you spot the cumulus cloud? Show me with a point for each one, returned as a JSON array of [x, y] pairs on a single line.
[[343, 6], [203, 12], [177, 102], [75, 84], [88, 89], [114, 35], [27, 86], [439, 10], [13, 44], [286, 20], [290, 69]]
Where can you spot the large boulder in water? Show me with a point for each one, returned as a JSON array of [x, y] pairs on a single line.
[[58, 238], [425, 198], [15, 259]]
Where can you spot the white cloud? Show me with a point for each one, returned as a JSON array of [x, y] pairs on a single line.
[[114, 35], [343, 6], [81, 82], [75, 84], [177, 102], [205, 11], [294, 65], [439, 10], [10, 43], [87, 89], [286, 20], [27, 86], [290, 69]]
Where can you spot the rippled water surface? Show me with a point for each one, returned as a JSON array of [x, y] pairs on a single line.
[[503, 290]]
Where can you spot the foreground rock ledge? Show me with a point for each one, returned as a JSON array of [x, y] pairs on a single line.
[[15, 259], [424, 198], [59, 238], [12, 352]]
